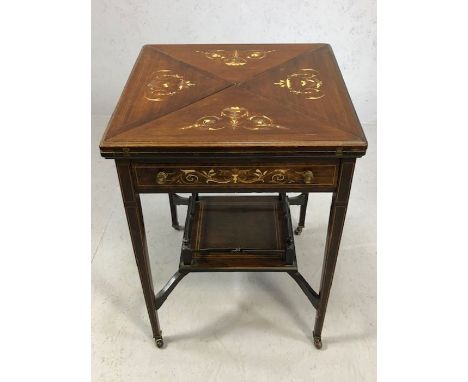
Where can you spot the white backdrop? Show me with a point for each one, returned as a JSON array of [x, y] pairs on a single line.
[[121, 27]]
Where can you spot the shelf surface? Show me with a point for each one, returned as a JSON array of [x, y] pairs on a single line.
[[239, 232]]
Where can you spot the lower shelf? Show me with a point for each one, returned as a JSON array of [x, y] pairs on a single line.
[[238, 233]]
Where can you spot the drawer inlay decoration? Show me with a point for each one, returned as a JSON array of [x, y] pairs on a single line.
[[305, 82], [165, 83], [242, 176], [234, 117], [235, 57]]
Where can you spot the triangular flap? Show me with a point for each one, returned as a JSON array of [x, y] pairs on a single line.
[[231, 118], [157, 86], [311, 84], [236, 63]]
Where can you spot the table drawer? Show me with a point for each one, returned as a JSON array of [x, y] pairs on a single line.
[[279, 176]]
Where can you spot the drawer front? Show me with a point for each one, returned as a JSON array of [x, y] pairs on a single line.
[[278, 176]]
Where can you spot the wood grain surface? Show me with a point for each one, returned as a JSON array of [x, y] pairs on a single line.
[[194, 98]]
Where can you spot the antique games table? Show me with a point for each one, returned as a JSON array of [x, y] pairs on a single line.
[[235, 119]]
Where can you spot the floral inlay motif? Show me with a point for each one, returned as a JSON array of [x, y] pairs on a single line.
[[234, 117], [305, 82], [235, 57], [164, 84]]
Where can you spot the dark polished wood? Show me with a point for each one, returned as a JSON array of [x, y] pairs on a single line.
[[174, 201], [231, 228], [173, 206], [235, 118], [313, 297], [301, 200], [163, 294], [335, 229], [136, 226]]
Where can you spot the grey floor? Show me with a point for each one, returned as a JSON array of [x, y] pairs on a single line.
[[231, 326]]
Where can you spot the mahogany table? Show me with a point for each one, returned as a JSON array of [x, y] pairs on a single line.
[[273, 118]]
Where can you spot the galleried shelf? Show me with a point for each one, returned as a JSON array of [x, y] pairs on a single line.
[[245, 233]]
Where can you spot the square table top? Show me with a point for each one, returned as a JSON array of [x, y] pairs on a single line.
[[245, 97]]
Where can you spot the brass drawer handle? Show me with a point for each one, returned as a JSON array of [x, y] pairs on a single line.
[[161, 177], [308, 176]]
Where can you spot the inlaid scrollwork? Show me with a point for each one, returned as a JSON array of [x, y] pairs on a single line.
[[305, 82], [234, 176], [234, 117], [235, 57], [164, 84]]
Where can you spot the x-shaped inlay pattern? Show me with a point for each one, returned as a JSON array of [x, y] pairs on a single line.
[[177, 94]]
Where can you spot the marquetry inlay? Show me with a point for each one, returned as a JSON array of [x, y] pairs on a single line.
[[235, 57], [305, 82], [234, 117], [164, 84], [234, 176]]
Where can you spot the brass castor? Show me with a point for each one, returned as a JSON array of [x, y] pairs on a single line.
[[318, 342], [298, 230], [178, 227], [159, 342]]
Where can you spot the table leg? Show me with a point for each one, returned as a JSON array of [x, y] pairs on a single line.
[[302, 215], [132, 204], [335, 229], [175, 220]]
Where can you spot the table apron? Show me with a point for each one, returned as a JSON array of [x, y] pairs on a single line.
[[317, 176]]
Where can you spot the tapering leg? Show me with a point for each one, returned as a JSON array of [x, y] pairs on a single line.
[[302, 215], [335, 229], [172, 204], [136, 226]]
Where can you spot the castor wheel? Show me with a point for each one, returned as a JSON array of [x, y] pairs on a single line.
[[318, 342], [298, 230], [159, 342]]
